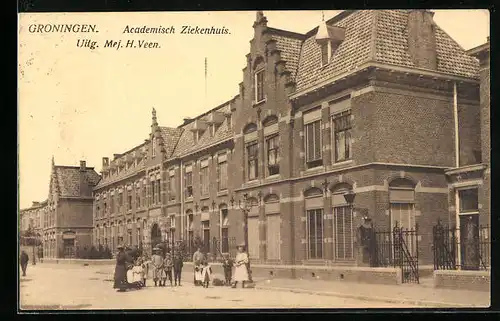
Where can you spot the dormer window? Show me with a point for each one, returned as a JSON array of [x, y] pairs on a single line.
[[326, 52], [259, 86]]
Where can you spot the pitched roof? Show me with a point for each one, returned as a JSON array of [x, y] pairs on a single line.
[[68, 179], [378, 36], [170, 137], [186, 141], [290, 51]]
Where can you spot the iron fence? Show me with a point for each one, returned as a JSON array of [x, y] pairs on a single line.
[[397, 248], [467, 249]]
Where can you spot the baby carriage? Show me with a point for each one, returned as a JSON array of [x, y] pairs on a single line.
[[134, 277]]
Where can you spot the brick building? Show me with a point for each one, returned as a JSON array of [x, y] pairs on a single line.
[[66, 216], [363, 104], [32, 218]]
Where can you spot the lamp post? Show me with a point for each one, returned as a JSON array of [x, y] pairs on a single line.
[[245, 207]]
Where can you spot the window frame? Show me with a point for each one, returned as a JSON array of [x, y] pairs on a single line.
[[204, 174], [222, 178], [316, 162], [257, 81], [348, 130], [171, 187], [464, 189], [317, 212], [276, 166], [254, 158], [189, 187]]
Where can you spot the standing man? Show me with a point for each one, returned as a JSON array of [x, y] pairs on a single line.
[[24, 261], [198, 257], [178, 264]]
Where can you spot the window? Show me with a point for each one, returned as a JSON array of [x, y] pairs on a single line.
[[342, 136], [228, 121], [259, 86], [129, 236], [129, 201], [224, 230], [189, 184], [120, 200], [204, 180], [468, 200], [152, 192], [112, 204], [138, 231], [313, 144], [158, 191], [325, 53], [206, 235], [172, 187], [222, 172], [97, 211], [272, 155], [105, 208], [144, 199], [137, 197], [153, 141], [344, 241], [315, 233], [253, 161]]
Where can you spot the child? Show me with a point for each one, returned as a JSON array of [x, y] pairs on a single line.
[[158, 270], [227, 264], [138, 272], [167, 264], [206, 272], [145, 268], [178, 264]]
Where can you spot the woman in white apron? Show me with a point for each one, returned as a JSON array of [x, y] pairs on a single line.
[[240, 263]]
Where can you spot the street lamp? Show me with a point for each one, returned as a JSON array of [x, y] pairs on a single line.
[[245, 207]]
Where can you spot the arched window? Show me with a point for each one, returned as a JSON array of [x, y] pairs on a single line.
[[343, 233], [314, 222], [250, 128], [259, 78]]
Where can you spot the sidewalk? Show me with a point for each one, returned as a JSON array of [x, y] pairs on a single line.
[[423, 294]]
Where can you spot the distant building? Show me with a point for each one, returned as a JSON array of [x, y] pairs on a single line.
[[363, 104], [65, 219], [32, 218]]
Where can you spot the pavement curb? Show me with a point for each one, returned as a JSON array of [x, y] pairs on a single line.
[[421, 303]]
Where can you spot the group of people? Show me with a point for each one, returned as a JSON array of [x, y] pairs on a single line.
[[203, 270], [132, 269]]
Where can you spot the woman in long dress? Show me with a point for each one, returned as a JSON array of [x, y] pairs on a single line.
[[240, 263], [120, 276]]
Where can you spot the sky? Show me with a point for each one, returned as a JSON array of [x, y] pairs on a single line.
[[81, 104]]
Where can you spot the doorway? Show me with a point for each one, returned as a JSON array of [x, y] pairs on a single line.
[[155, 235], [469, 240]]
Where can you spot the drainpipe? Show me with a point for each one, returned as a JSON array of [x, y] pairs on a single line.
[[457, 164], [455, 116], [182, 200]]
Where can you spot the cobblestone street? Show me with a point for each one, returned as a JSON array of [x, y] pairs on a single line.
[[90, 287]]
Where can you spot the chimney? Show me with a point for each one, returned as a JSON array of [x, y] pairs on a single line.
[[186, 120], [105, 162], [83, 182], [35, 204], [83, 166], [421, 39]]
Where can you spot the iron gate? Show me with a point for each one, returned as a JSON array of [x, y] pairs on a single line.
[[397, 248]]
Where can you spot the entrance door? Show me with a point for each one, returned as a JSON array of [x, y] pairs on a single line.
[[206, 236], [155, 235], [253, 237], [69, 248], [469, 241]]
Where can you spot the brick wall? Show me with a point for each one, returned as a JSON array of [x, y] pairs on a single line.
[[399, 128], [463, 280]]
